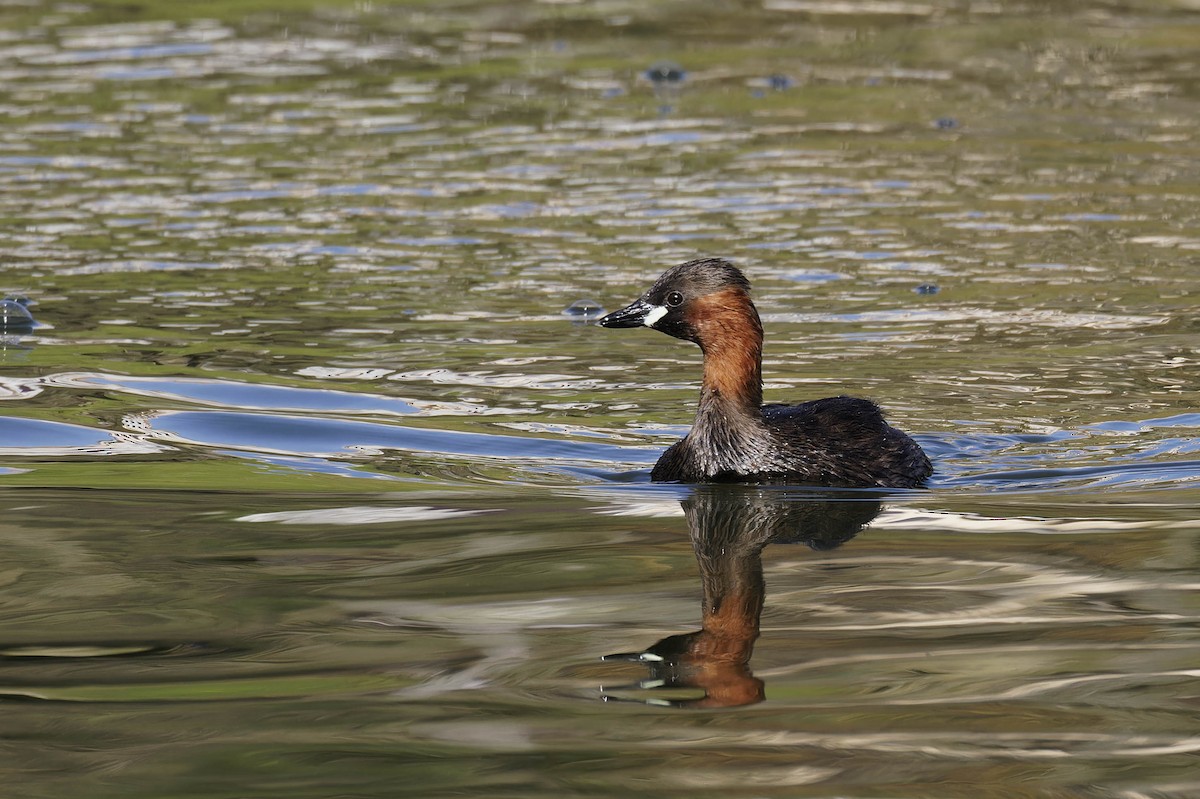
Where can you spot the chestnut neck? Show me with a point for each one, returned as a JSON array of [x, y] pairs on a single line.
[[730, 335]]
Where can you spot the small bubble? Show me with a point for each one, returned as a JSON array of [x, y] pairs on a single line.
[[666, 72], [14, 316], [584, 309], [667, 79], [927, 288], [779, 82]]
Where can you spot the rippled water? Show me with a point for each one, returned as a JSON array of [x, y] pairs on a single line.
[[310, 487]]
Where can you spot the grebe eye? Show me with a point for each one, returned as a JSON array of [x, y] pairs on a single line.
[[674, 299]]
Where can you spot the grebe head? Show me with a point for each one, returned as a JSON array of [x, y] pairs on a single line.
[[693, 301]]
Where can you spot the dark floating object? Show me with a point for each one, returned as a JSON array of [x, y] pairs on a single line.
[[945, 123], [775, 83], [584, 309], [927, 288], [780, 82], [666, 73], [667, 78], [15, 317]]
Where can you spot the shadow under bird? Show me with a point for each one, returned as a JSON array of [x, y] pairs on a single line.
[[838, 441]]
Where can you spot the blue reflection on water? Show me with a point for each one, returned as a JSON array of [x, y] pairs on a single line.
[[308, 436], [231, 394]]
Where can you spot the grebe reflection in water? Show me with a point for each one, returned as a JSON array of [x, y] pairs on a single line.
[[729, 527]]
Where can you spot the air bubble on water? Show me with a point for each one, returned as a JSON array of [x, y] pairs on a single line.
[[584, 309], [14, 316], [667, 78], [759, 87], [666, 73]]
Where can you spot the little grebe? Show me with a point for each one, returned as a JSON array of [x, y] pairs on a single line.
[[838, 441]]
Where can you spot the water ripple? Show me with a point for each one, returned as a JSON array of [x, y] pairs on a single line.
[[36, 438], [294, 435], [260, 396]]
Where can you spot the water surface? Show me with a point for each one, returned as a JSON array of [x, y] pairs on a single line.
[[310, 487]]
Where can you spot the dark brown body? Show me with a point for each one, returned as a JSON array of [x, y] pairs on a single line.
[[838, 441]]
